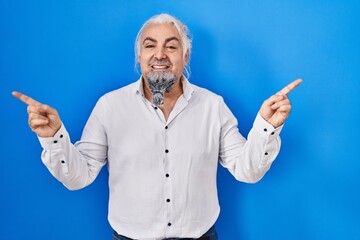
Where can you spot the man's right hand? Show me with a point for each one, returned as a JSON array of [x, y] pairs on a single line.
[[43, 119]]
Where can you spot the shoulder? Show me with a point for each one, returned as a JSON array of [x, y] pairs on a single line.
[[120, 94], [118, 97], [201, 93]]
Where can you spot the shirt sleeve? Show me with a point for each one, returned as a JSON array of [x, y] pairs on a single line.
[[77, 165], [247, 159]]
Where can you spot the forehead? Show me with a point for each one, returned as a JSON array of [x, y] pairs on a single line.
[[160, 32]]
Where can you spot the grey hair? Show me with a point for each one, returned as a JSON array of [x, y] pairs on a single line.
[[182, 29]]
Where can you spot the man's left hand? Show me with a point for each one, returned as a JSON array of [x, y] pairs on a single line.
[[277, 108]]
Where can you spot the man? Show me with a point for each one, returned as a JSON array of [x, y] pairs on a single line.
[[162, 138]]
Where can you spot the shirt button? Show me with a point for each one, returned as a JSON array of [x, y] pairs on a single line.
[[61, 136], [168, 200], [62, 161], [265, 129], [169, 224], [155, 108], [167, 175], [266, 153], [55, 141], [166, 127], [272, 133], [166, 150]]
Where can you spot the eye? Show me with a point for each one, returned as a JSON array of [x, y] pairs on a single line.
[[149, 46], [171, 47]]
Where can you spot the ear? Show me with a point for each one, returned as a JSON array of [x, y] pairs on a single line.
[[186, 60]]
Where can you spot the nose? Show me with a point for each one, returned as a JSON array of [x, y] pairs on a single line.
[[160, 53]]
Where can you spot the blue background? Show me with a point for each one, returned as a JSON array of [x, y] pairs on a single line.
[[68, 53]]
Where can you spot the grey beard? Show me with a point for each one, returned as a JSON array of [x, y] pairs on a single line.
[[159, 83]]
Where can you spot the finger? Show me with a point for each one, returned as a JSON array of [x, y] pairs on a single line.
[[273, 99], [41, 109], [286, 90], [37, 116], [35, 123], [34, 109], [284, 108], [26, 99], [276, 105]]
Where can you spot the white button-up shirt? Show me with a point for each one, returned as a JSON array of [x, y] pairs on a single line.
[[162, 174]]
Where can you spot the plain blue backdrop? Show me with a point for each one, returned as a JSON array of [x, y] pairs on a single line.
[[68, 53]]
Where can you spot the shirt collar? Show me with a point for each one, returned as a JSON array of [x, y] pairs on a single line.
[[188, 90]]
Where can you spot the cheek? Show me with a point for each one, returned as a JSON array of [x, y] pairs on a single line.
[[144, 56], [143, 61], [179, 65]]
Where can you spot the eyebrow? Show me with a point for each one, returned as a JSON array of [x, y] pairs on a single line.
[[166, 40]]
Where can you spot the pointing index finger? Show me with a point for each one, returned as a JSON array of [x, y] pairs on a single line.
[[26, 99], [286, 90]]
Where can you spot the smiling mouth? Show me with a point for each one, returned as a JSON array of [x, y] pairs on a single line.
[[160, 67]]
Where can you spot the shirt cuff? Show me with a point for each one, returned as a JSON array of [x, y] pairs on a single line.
[[264, 128], [60, 136]]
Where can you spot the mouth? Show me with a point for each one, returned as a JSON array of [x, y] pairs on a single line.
[[160, 67]]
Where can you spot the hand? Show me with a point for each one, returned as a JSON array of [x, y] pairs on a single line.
[[277, 108], [43, 119]]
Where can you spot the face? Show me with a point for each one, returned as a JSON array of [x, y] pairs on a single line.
[[161, 50]]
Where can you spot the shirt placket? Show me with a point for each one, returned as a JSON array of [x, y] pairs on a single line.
[[169, 200], [168, 195]]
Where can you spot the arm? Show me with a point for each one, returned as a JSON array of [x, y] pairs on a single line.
[[76, 166], [249, 160]]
